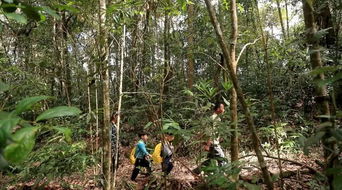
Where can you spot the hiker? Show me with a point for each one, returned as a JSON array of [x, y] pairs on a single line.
[[213, 144], [142, 157], [113, 138], [163, 153]]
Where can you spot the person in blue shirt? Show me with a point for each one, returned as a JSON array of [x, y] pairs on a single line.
[[142, 157]]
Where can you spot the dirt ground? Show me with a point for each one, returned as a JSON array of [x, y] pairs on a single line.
[[298, 173]]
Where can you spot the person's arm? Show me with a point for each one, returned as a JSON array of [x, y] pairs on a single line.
[[207, 145], [142, 147]]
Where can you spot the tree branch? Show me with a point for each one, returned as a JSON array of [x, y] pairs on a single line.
[[244, 47]]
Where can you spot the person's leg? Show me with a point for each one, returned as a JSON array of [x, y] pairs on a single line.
[[113, 162], [147, 164], [136, 169], [167, 166], [218, 155]]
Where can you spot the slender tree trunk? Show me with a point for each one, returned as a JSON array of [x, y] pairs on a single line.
[[234, 147], [191, 60], [103, 53], [281, 19], [240, 95], [145, 57], [270, 90], [320, 90], [287, 20], [89, 111], [167, 66], [68, 82], [97, 115], [123, 44], [134, 58]]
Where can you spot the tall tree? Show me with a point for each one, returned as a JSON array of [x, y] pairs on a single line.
[[320, 90], [287, 19], [281, 19], [190, 37], [103, 59], [167, 55], [123, 46], [234, 147], [240, 95], [264, 41]]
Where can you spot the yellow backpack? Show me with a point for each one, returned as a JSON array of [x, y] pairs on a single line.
[[156, 156], [132, 155]]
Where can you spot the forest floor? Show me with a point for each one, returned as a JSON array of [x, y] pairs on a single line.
[[299, 173]]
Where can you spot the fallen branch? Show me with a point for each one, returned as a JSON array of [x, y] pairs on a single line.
[[292, 161], [286, 174]]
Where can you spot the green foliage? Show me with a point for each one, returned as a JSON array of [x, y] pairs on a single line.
[[59, 111], [27, 103], [17, 17], [3, 87], [206, 90], [221, 176], [17, 136], [56, 160], [28, 12], [24, 140]]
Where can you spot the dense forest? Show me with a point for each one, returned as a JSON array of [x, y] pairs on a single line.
[[171, 94]]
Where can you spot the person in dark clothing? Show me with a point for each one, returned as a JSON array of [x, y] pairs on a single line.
[[142, 157], [167, 152]]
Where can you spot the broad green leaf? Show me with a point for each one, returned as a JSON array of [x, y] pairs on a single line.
[[60, 111], [67, 8], [31, 12], [17, 17], [3, 87], [8, 121], [27, 103], [49, 11], [66, 132], [24, 134], [24, 143]]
